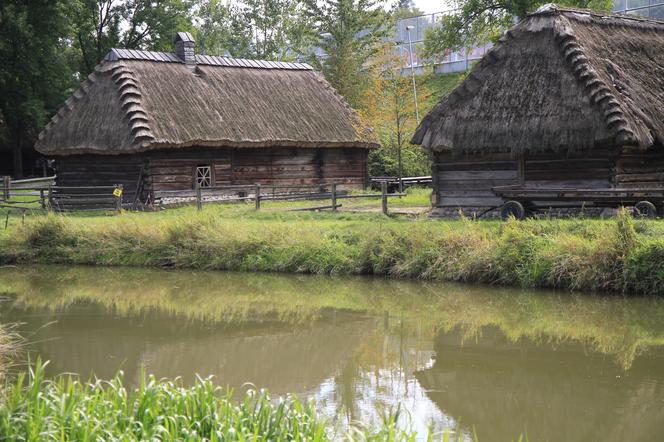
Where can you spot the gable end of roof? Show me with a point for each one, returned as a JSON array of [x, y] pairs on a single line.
[[130, 97], [595, 88]]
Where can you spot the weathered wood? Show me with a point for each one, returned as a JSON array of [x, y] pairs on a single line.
[[469, 201], [334, 197], [199, 198], [477, 174], [5, 187]]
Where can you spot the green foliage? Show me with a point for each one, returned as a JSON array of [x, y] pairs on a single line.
[[221, 28], [264, 29], [388, 106], [351, 31], [100, 25], [481, 21], [35, 73], [282, 28], [67, 409]]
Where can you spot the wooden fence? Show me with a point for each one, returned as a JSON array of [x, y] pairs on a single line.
[[43, 194], [259, 193]]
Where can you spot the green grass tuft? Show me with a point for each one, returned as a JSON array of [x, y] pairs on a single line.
[[613, 255], [65, 409]]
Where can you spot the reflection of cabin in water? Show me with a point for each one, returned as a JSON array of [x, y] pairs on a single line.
[[549, 389], [155, 121], [567, 99]]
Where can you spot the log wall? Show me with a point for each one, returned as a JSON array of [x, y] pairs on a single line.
[[636, 169], [466, 180], [170, 170], [175, 170], [580, 170], [97, 170]]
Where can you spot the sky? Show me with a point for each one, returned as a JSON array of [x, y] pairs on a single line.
[[431, 6]]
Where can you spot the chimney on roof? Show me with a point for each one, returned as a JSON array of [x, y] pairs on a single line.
[[184, 48]]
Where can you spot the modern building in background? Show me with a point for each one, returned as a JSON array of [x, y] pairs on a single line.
[[461, 60]]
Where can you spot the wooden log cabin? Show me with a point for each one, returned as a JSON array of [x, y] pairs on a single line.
[[158, 122], [567, 99]]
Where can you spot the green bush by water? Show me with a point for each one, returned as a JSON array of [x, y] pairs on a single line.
[[618, 255], [65, 409]]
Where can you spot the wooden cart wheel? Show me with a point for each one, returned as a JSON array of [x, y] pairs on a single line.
[[645, 209], [512, 208]]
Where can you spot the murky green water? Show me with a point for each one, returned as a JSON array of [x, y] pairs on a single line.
[[499, 361]]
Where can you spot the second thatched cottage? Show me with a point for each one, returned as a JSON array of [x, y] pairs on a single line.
[[567, 101], [157, 122]]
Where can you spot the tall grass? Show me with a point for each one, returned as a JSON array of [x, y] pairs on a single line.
[[617, 255], [66, 409], [11, 345]]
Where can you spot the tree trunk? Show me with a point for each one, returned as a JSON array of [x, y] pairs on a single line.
[[18, 157]]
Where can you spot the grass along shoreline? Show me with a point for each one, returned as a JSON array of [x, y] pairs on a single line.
[[66, 409], [616, 255]]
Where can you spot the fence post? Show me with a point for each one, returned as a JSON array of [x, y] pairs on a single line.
[[118, 199], [383, 188], [199, 197], [334, 197], [257, 190], [49, 200], [5, 187]]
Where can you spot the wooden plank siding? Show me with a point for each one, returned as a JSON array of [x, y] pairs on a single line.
[[466, 181], [95, 170], [580, 170], [636, 169], [174, 170]]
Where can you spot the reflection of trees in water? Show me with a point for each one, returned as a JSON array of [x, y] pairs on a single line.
[[559, 392], [622, 327], [280, 357], [508, 360]]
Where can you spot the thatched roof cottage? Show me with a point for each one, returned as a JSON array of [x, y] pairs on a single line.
[[155, 121], [567, 99]]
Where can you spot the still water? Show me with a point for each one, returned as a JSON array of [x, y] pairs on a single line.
[[499, 362]]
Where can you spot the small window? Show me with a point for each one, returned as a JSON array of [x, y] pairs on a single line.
[[204, 176]]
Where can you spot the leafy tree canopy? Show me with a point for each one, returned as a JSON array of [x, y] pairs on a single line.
[[480, 21], [351, 31]]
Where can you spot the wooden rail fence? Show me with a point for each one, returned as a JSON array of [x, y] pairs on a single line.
[[256, 192], [43, 194], [22, 195]]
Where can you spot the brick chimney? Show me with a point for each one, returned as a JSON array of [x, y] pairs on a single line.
[[184, 48]]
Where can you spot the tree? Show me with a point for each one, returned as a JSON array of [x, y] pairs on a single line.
[[388, 106], [282, 28], [481, 21], [35, 77], [264, 29], [133, 24], [405, 9], [222, 27], [351, 32]]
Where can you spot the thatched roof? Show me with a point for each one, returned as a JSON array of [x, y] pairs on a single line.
[[561, 79], [138, 100]]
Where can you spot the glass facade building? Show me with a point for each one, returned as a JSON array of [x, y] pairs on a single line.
[[410, 33]]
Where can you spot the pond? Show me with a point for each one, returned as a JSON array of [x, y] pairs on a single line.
[[499, 362]]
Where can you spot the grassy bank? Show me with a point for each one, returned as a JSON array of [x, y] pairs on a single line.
[[617, 255], [66, 409]]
